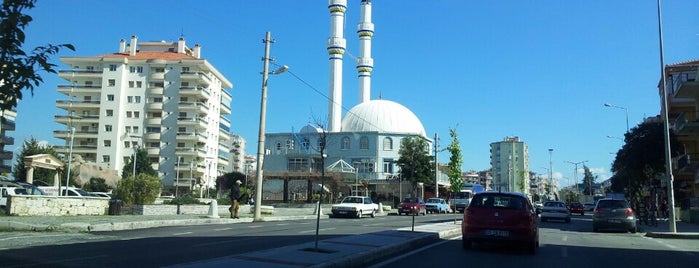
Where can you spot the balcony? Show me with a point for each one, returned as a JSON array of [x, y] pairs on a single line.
[[6, 155], [686, 124], [686, 163], [77, 73], [684, 85], [8, 125], [66, 120], [186, 151], [155, 90], [157, 76], [152, 136], [154, 106], [5, 140], [194, 107], [225, 108], [186, 136], [79, 89], [88, 104], [154, 121]]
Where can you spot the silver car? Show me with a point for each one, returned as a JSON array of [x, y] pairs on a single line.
[[614, 214], [555, 210]]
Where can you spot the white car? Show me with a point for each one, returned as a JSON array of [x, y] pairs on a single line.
[[355, 206], [555, 210]]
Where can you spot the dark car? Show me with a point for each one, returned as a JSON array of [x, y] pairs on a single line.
[[412, 205], [577, 208], [504, 217], [614, 214]]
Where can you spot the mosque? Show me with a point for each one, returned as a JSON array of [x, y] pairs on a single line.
[[361, 150]]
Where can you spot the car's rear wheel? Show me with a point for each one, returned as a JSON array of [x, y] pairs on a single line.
[[373, 213], [466, 243], [633, 230], [359, 214]]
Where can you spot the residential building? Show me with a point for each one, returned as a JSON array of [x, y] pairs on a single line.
[[159, 96], [509, 161], [7, 123], [236, 157], [682, 88]]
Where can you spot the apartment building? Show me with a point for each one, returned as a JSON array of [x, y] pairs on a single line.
[[7, 123], [509, 161], [160, 96]]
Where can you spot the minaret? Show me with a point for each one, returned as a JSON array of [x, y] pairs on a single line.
[[336, 48], [365, 30]]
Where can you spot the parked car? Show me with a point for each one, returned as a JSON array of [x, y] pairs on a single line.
[[538, 205], [589, 207], [412, 205], [577, 208], [614, 214], [100, 194], [555, 210], [436, 205], [355, 206], [504, 217]]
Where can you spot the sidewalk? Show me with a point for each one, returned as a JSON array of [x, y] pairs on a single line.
[[684, 230]]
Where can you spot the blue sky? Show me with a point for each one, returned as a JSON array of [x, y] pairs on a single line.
[[541, 70]]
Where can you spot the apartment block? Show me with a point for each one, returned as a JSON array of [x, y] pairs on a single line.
[[509, 161], [161, 96]]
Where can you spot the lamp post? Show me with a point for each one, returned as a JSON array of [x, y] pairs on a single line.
[[626, 111], [576, 175], [550, 166], [70, 158], [177, 175], [666, 132], [261, 135]]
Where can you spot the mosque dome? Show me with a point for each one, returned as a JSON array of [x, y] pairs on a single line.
[[382, 116]]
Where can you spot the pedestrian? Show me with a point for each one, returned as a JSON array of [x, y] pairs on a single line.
[[664, 209], [235, 197]]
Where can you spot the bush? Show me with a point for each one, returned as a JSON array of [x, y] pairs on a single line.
[[183, 200], [142, 190]]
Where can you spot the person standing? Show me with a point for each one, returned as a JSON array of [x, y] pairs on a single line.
[[235, 197]]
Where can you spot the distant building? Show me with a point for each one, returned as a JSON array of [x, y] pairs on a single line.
[[7, 124], [161, 96], [509, 161]]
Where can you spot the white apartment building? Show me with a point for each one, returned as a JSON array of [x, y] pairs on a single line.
[[161, 96], [7, 124], [237, 154]]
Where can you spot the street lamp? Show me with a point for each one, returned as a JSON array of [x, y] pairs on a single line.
[[177, 175], [626, 111], [576, 173], [70, 157], [261, 135], [135, 155], [666, 126]]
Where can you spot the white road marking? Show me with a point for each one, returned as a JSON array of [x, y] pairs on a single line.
[[184, 233], [312, 231], [223, 229]]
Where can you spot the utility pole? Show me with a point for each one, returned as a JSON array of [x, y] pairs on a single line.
[[576, 175]]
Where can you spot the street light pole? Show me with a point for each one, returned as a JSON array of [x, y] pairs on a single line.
[[576, 175], [666, 132], [626, 111], [261, 134], [177, 176], [70, 158], [135, 155]]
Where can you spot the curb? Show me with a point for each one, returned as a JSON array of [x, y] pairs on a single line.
[[671, 235]]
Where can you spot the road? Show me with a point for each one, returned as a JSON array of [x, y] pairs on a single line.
[[561, 245], [175, 245]]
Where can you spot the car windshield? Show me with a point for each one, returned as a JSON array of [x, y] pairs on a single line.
[[433, 200], [554, 204], [353, 200], [613, 204], [498, 201], [410, 200]]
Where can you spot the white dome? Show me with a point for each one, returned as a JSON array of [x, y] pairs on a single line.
[[382, 116]]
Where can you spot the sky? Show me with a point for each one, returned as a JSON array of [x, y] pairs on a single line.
[[540, 70]]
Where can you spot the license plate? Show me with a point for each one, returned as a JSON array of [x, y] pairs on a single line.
[[499, 233], [614, 221], [342, 212]]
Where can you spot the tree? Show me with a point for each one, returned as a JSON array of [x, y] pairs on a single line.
[[96, 185], [42, 176], [642, 158], [588, 181], [143, 164], [19, 70], [143, 189], [455, 162], [415, 161]]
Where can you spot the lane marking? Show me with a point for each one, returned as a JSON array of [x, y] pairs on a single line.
[[223, 229], [312, 231], [183, 233]]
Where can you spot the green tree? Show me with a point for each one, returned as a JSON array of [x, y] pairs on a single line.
[[642, 158], [588, 181], [96, 185], [42, 176], [143, 189], [415, 161], [143, 164], [455, 162], [19, 70]]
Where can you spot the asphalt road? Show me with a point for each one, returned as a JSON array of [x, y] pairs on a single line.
[[561, 245], [175, 245]]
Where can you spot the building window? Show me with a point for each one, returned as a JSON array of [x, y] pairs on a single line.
[[139, 69], [185, 69], [135, 129], [387, 144], [158, 99], [88, 83], [110, 97], [136, 114], [90, 68], [297, 164], [132, 69], [129, 99], [278, 146], [112, 67], [107, 143], [109, 112], [111, 82], [105, 159], [128, 114], [137, 99], [139, 84], [127, 129], [159, 70], [108, 128], [388, 166], [345, 145], [290, 144], [364, 143], [131, 83]]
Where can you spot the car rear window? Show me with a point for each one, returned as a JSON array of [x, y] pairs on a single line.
[[498, 201], [612, 204]]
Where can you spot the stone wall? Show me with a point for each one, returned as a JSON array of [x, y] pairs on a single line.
[[44, 205]]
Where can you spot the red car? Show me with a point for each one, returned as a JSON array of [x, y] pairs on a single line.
[[577, 208], [412, 205], [500, 217]]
